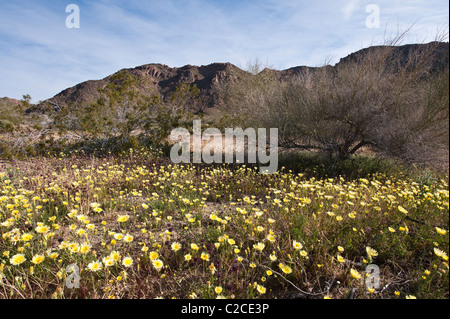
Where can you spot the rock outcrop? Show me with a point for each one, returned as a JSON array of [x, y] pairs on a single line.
[[162, 79]]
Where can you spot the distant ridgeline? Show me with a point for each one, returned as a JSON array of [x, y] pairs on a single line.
[[161, 79]]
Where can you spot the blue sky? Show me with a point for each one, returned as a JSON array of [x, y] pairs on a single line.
[[40, 56]]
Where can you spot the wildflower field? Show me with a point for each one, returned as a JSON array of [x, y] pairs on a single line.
[[138, 226]]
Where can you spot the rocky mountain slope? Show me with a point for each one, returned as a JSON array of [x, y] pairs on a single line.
[[163, 79], [7, 102]]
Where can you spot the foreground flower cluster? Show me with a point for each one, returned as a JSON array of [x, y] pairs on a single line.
[[136, 228]]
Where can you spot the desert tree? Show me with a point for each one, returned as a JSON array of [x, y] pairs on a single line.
[[390, 99], [177, 109], [127, 108]]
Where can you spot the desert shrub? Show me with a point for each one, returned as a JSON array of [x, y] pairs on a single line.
[[125, 115], [383, 100], [5, 151], [6, 126], [318, 165]]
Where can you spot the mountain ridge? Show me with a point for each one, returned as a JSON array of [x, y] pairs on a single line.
[[163, 79]]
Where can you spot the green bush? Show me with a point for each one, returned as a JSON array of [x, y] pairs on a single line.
[[5, 151], [319, 165], [6, 126]]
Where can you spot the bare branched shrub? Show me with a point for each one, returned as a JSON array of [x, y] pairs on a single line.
[[391, 99]]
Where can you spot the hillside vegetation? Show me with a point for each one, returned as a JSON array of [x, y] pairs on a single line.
[[91, 205]]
